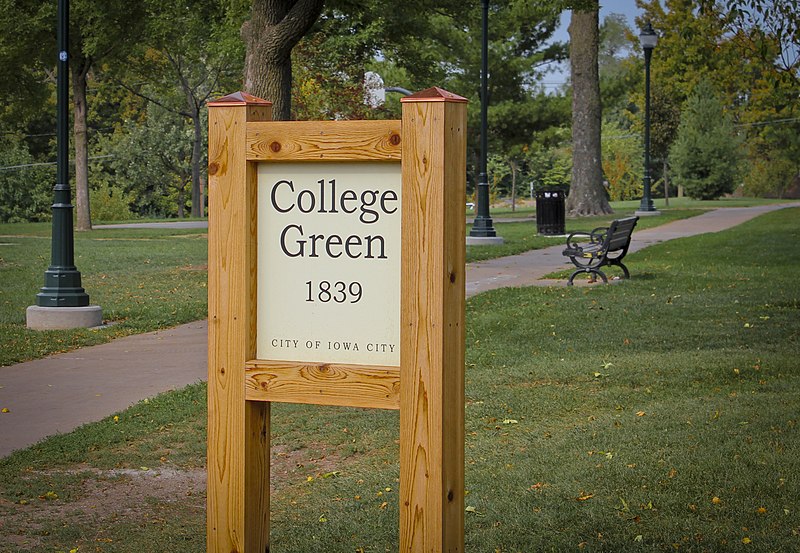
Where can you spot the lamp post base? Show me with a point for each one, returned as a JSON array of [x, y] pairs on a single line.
[[640, 213], [484, 240], [60, 318]]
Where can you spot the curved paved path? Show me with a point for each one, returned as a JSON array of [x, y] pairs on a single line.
[[62, 392]]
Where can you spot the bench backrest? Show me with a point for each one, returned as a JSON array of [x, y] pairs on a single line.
[[619, 234]]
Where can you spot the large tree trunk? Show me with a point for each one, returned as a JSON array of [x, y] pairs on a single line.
[[80, 69], [587, 195], [274, 28]]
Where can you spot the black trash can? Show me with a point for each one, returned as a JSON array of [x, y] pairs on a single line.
[[551, 211]]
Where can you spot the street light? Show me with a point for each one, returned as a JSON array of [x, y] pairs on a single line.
[[648, 39], [62, 301], [482, 228]]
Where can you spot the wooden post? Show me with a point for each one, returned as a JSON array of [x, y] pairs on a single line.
[[238, 430], [432, 323]]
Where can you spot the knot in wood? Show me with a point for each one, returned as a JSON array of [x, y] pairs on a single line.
[[275, 147], [394, 139], [213, 168]]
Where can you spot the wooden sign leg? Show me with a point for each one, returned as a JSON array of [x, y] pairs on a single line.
[[432, 324], [238, 430]]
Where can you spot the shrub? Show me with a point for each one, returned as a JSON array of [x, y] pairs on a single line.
[[110, 203]]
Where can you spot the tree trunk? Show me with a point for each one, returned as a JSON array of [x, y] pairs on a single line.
[[79, 69], [665, 168], [203, 185], [587, 195], [275, 27], [181, 202], [513, 165], [198, 209]]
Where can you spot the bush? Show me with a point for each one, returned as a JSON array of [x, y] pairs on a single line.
[[110, 203], [26, 193], [622, 162], [770, 178]]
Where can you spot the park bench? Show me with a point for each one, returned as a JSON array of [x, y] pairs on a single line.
[[589, 251]]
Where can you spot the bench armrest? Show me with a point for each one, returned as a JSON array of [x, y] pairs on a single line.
[[594, 237]]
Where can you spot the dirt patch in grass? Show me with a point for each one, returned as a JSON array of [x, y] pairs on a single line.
[[103, 498], [135, 496], [194, 268]]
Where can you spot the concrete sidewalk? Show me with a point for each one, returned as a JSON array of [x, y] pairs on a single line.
[[61, 392]]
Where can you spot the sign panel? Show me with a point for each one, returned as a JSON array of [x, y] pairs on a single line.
[[329, 243]]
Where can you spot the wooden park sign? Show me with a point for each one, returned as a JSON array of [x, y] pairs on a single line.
[[336, 277]]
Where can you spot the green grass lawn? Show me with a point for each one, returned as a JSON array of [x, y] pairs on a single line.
[[144, 279], [659, 414]]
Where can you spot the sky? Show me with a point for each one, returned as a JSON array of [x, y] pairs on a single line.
[[627, 8]]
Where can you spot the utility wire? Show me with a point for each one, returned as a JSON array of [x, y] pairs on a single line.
[[45, 163]]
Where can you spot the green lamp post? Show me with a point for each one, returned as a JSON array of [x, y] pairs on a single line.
[[483, 231], [648, 39], [62, 301]]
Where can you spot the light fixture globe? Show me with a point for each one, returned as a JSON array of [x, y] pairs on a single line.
[[648, 37]]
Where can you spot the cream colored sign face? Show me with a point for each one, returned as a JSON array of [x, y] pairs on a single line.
[[329, 262]]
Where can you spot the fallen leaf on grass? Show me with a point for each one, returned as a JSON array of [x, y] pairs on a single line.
[[716, 500], [746, 540], [384, 505], [761, 510], [474, 511], [5, 410], [585, 496], [640, 413], [510, 421]]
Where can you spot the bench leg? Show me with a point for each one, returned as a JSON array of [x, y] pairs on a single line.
[[590, 271], [573, 275]]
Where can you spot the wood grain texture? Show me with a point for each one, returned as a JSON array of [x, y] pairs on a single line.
[[323, 384], [238, 431], [324, 141], [432, 328]]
